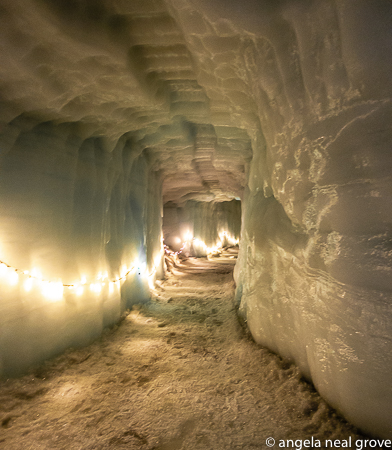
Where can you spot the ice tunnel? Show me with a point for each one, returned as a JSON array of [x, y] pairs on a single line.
[[200, 228], [269, 117]]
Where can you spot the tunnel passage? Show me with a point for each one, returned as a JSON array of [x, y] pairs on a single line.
[[112, 109], [201, 228]]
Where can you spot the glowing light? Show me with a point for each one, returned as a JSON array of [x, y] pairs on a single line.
[[52, 290], [226, 237], [123, 271], [35, 273], [28, 284], [177, 240], [3, 269], [12, 277], [58, 289], [151, 280], [95, 287], [157, 261], [188, 236], [79, 290], [201, 247], [199, 244], [55, 290]]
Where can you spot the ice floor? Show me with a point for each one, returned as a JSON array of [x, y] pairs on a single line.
[[177, 373]]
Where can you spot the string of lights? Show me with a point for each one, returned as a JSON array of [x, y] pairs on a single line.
[[34, 276], [55, 289], [171, 253], [224, 236]]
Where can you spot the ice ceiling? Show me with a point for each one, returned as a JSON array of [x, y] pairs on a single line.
[[133, 68], [111, 109]]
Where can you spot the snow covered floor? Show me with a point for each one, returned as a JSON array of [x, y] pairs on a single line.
[[178, 373]]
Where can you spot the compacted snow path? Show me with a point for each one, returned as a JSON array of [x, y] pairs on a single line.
[[177, 373]]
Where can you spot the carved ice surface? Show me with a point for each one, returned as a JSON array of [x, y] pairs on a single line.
[[112, 109]]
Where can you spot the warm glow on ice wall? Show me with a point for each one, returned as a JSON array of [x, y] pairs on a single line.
[[53, 290], [202, 228], [110, 110], [196, 244]]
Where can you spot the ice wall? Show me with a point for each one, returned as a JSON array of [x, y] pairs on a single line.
[[203, 224], [314, 275], [310, 83], [74, 211], [108, 105]]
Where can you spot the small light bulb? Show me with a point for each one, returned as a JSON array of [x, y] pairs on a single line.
[[3, 269], [79, 290], [28, 284], [95, 287], [13, 277], [123, 271], [35, 273]]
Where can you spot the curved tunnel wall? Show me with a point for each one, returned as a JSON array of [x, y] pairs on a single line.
[[77, 213], [109, 107]]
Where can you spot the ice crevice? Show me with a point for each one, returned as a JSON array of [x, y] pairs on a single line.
[[127, 125]]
